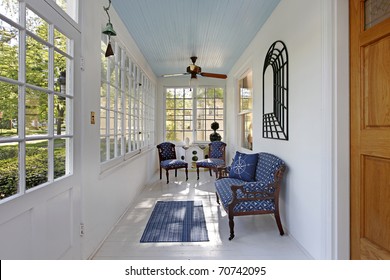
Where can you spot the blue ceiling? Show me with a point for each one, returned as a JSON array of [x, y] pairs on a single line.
[[169, 32]]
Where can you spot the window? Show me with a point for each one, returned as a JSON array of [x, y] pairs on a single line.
[[127, 100], [190, 113], [36, 100], [245, 115]]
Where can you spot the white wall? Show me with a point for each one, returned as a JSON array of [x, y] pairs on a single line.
[[105, 195], [307, 208]]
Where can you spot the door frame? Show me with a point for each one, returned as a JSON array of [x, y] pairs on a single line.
[[335, 169]]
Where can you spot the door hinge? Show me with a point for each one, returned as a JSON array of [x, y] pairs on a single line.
[[82, 229]]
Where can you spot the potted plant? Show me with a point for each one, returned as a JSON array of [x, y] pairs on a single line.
[[215, 136]]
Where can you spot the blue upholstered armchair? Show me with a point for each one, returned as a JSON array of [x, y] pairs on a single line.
[[251, 186], [168, 160], [216, 158]]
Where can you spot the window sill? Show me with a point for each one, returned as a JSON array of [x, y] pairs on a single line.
[[111, 166]]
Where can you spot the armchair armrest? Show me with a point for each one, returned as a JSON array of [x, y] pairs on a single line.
[[260, 186], [223, 172], [253, 191]]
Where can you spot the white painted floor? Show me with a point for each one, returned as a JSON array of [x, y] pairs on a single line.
[[256, 237]]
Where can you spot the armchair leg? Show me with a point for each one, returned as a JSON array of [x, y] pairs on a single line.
[[175, 172], [211, 174], [197, 172], [217, 197], [231, 226], [167, 176], [279, 223], [186, 173], [160, 173]]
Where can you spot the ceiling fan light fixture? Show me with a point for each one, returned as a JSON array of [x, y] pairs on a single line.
[[194, 82]]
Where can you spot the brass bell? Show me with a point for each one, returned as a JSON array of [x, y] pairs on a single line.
[[109, 30]]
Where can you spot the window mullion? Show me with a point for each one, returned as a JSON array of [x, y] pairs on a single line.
[[194, 114], [116, 100], [108, 104], [51, 106], [22, 98], [123, 103]]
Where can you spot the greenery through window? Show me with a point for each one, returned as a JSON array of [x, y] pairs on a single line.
[[36, 96], [127, 99], [190, 113], [245, 115]]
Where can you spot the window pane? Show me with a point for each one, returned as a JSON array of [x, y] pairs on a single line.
[[61, 41], [376, 11], [245, 93], [37, 64], [112, 122], [8, 110], [60, 62], [103, 95], [112, 97], [103, 122], [37, 25], [36, 112], [247, 134], [10, 9], [112, 146], [9, 175], [103, 149], [9, 46], [60, 125], [37, 165], [60, 157]]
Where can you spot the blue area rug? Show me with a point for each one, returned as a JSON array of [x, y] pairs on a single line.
[[176, 221]]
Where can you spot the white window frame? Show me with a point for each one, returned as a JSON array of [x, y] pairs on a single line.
[[137, 104], [22, 139], [194, 120]]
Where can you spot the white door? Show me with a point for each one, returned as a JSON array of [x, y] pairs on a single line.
[[39, 139]]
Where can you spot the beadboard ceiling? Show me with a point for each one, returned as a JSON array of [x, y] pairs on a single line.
[[169, 32]]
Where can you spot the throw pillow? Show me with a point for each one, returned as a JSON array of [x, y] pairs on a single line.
[[244, 166]]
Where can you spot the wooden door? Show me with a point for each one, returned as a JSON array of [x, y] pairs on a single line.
[[370, 129]]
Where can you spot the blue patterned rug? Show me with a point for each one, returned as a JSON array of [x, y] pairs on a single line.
[[176, 221]]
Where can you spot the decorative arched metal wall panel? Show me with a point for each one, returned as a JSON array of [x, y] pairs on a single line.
[[275, 120]]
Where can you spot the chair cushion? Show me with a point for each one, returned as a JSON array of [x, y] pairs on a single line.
[[223, 188], [210, 162], [244, 166], [173, 163]]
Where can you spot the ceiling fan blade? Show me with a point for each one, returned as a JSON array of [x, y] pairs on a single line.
[[213, 75], [174, 75]]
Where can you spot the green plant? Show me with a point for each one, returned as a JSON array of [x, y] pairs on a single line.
[[215, 136]]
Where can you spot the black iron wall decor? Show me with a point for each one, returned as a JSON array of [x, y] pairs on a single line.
[[275, 92]]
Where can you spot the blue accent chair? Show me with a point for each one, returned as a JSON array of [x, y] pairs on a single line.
[[168, 160], [260, 196], [216, 158]]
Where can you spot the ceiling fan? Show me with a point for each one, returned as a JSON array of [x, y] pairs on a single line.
[[195, 70]]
